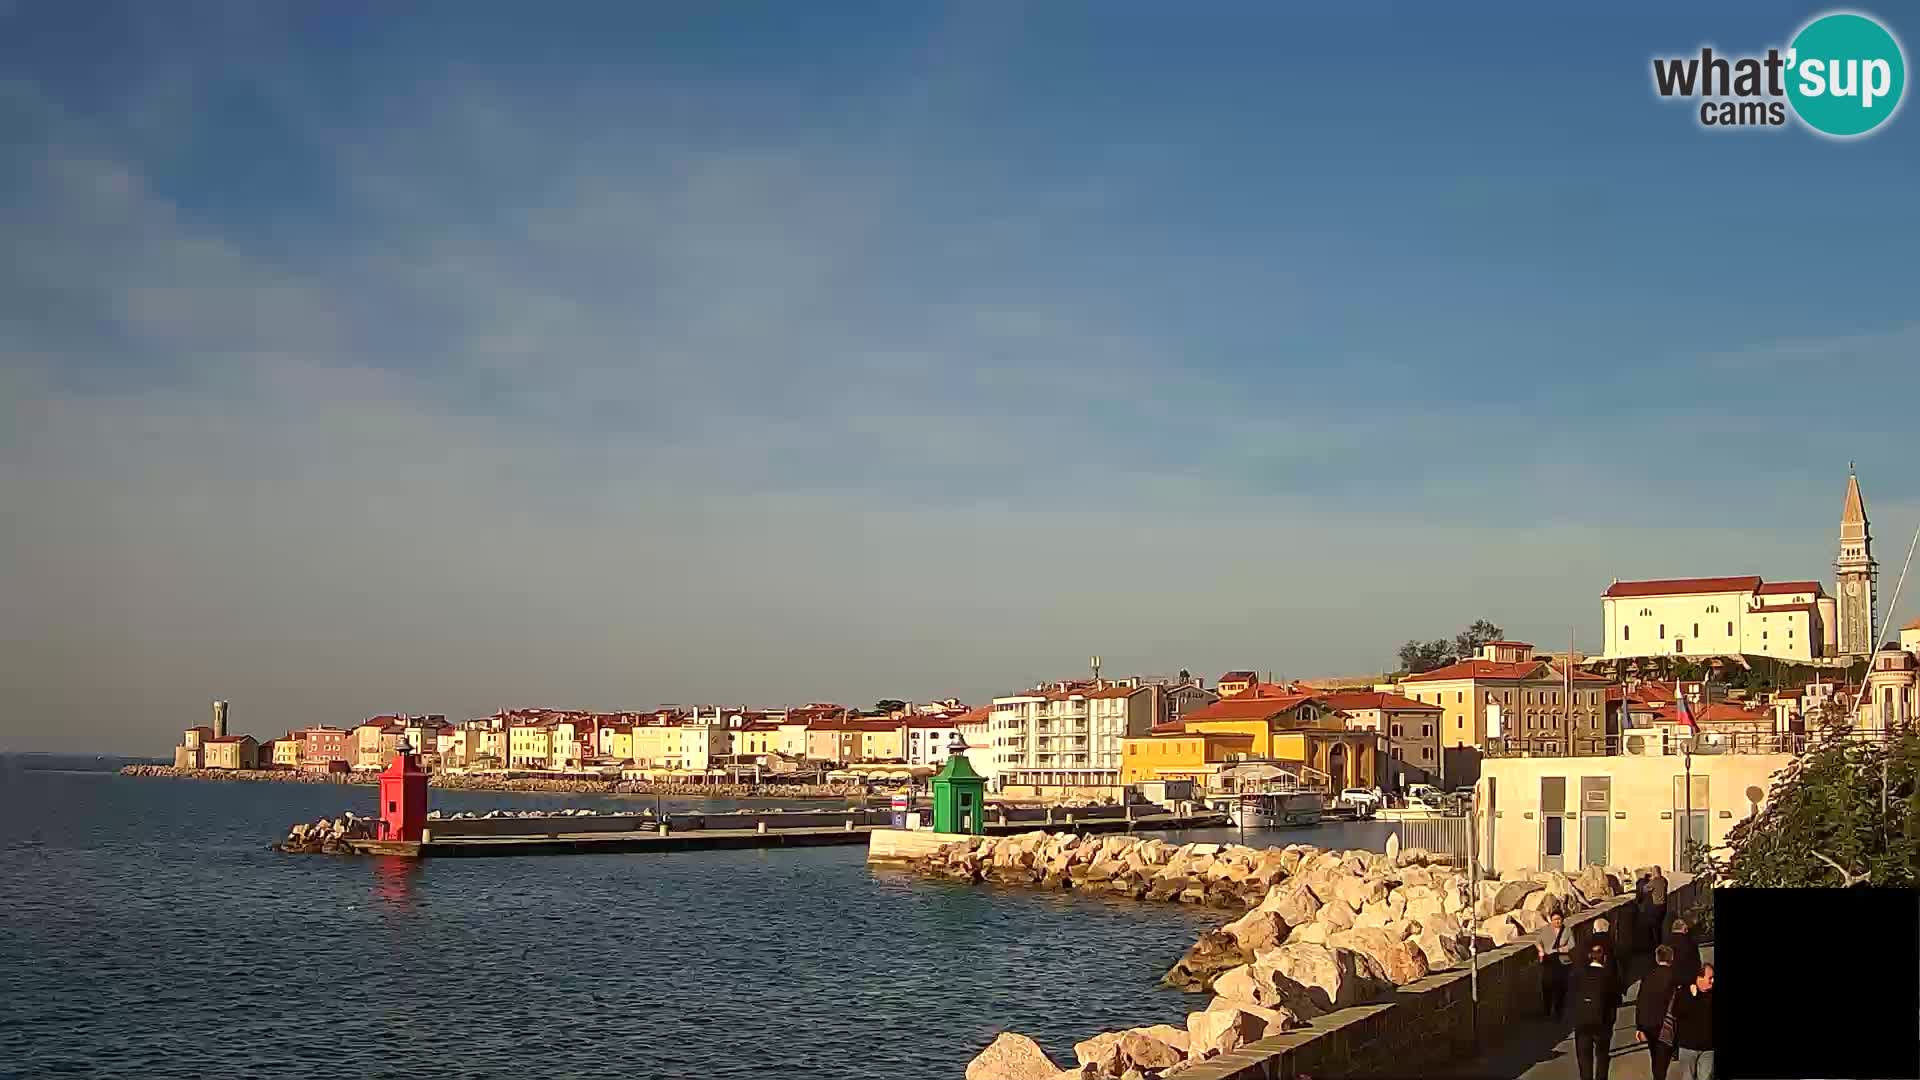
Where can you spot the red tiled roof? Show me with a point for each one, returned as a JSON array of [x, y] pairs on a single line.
[[231, 738], [1725, 713], [1515, 670], [974, 716], [1672, 586], [937, 722], [1170, 727], [1248, 707], [1114, 692], [1775, 587], [1375, 699], [1783, 609], [1914, 625], [1237, 676]]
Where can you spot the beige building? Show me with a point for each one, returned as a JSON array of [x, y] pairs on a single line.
[[1624, 810], [1409, 732], [375, 741], [530, 745], [230, 752], [286, 751], [1891, 698], [1507, 694], [191, 753]]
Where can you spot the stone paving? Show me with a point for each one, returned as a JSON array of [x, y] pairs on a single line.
[[1543, 1049]]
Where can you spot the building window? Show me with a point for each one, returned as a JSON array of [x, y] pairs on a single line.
[[1729, 629], [1459, 697], [1663, 631], [1426, 730], [1626, 633], [1696, 629]]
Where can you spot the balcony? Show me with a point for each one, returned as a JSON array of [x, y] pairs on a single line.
[[1653, 742]]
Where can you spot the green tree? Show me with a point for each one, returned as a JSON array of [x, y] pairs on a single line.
[[1419, 656], [1466, 643], [888, 706], [1845, 813]]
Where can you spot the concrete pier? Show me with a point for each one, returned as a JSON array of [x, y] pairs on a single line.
[[534, 838]]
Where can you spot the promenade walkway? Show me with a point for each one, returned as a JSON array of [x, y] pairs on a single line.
[[1543, 1049]]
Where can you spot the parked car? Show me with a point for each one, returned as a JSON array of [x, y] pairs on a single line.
[[1363, 798]]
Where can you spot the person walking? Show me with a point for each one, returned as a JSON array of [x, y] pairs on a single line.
[[1650, 1007], [1693, 1027], [1595, 997], [1657, 903], [1686, 952], [1642, 909], [1555, 947]]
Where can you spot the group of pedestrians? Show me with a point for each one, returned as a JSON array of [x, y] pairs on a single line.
[[1585, 984]]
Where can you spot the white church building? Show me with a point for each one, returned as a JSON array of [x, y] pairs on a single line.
[[1701, 618]]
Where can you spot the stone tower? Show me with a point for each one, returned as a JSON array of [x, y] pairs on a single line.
[[1855, 573]]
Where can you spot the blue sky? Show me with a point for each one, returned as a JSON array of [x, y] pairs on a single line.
[[452, 358]]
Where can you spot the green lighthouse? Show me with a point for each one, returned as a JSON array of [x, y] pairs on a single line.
[[959, 793]]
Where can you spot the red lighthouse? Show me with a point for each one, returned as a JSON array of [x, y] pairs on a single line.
[[403, 796]]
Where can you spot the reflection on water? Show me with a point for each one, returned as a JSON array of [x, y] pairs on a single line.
[[393, 880]]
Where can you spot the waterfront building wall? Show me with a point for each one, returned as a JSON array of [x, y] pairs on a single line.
[[1620, 810]]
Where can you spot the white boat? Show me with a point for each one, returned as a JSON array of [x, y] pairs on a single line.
[[1415, 810], [1276, 810]]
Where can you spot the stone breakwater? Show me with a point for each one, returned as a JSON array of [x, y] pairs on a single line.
[[556, 785], [327, 836], [1320, 931]]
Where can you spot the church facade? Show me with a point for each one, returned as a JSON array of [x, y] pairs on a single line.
[[1703, 618]]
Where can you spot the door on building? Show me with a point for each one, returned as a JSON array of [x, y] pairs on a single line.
[[1690, 829], [1337, 766], [1596, 810], [1593, 840], [1553, 823]]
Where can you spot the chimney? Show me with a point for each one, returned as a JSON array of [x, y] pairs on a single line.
[[219, 719]]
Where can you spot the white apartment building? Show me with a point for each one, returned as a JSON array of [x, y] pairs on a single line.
[[1066, 737]]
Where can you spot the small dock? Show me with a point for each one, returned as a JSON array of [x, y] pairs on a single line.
[[603, 842]]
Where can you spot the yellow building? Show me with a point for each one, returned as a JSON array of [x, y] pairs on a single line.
[[529, 746], [286, 752], [616, 742], [1301, 729], [1506, 693], [1178, 755], [230, 751]]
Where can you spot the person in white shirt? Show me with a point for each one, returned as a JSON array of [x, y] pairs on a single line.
[[1555, 945]]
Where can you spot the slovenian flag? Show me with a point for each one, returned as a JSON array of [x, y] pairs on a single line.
[[1681, 710]]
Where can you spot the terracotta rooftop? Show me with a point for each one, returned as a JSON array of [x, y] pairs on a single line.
[[1516, 670], [1349, 700], [1774, 588], [1237, 676], [1248, 707], [1673, 586]]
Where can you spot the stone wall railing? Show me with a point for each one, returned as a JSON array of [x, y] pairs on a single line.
[[1429, 1023]]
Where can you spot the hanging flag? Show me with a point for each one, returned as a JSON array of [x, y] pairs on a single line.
[[1681, 710]]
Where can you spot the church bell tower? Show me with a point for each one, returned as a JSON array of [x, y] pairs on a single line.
[[1855, 573]]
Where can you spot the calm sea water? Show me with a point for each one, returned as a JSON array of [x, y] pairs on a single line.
[[148, 930]]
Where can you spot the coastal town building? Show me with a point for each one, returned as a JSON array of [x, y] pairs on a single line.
[[1409, 733], [1722, 618], [1067, 737], [230, 752], [1508, 694], [326, 746], [1235, 683], [191, 753], [1889, 699], [1564, 813], [1299, 733], [928, 736], [375, 741], [289, 749]]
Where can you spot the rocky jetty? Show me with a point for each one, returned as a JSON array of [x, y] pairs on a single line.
[[1319, 931], [327, 836]]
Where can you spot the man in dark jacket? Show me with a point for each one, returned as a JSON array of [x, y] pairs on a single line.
[[1650, 1010], [1686, 953], [1657, 903], [1594, 998], [1603, 936], [1693, 1027]]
